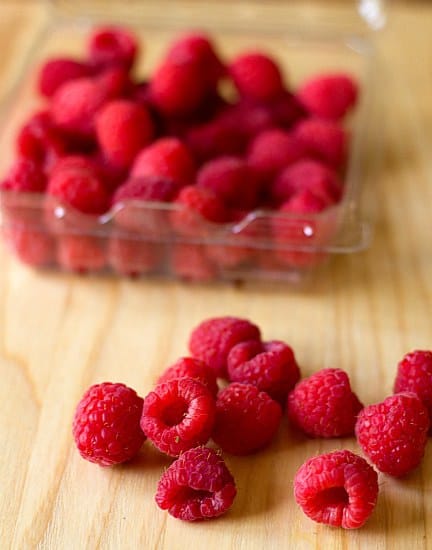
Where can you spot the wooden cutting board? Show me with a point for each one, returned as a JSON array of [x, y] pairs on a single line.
[[59, 334]]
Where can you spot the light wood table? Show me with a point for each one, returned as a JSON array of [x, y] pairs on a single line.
[[59, 334]]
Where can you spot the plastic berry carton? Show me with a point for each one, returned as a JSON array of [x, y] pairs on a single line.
[[136, 238]]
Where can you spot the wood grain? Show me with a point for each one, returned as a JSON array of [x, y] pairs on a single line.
[[59, 334]]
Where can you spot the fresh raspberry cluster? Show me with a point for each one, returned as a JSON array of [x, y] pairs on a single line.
[[186, 409], [108, 152]]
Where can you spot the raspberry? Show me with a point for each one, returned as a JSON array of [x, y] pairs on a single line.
[[248, 117], [25, 176], [218, 137], [324, 405], [304, 202], [196, 486], [290, 231], [146, 188], [81, 253], [115, 82], [414, 374], [75, 163], [246, 419], [131, 256], [257, 76], [329, 95], [393, 434], [166, 157], [178, 415], [189, 262], [339, 489], [106, 425], [272, 150], [112, 46], [177, 89], [232, 180], [75, 104], [123, 128], [188, 367], [197, 205], [79, 186], [39, 141], [307, 175], [212, 340], [286, 110], [57, 71], [133, 214], [111, 176], [324, 139], [33, 247], [197, 49], [270, 366], [293, 233]]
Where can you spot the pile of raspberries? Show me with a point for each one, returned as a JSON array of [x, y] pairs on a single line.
[[261, 382], [203, 142]]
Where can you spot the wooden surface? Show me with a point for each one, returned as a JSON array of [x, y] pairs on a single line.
[[59, 334]]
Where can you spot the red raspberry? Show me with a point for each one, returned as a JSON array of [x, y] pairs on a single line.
[[324, 404], [112, 46], [272, 150], [246, 419], [39, 141], [131, 212], [196, 206], [248, 117], [178, 415], [25, 176], [329, 95], [57, 71], [81, 253], [112, 176], [33, 247], [339, 489], [305, 202], [75, 163], [168, 158], [190, 262], [212, 340], [115, 81], [188, 367], [123, 128], [77, 184], [106, 425], [270, 366], [132, 256], [197, 49], [232, 180], [414, 374], [293, 232], [286, 110], [177, 89], [393, 434], [257, 76], [75, 104], [307, 175], [324, 139], [196, 486], [146, 188], [220, 136]]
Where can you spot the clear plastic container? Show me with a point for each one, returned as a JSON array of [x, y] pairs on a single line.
[[137, 238]]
